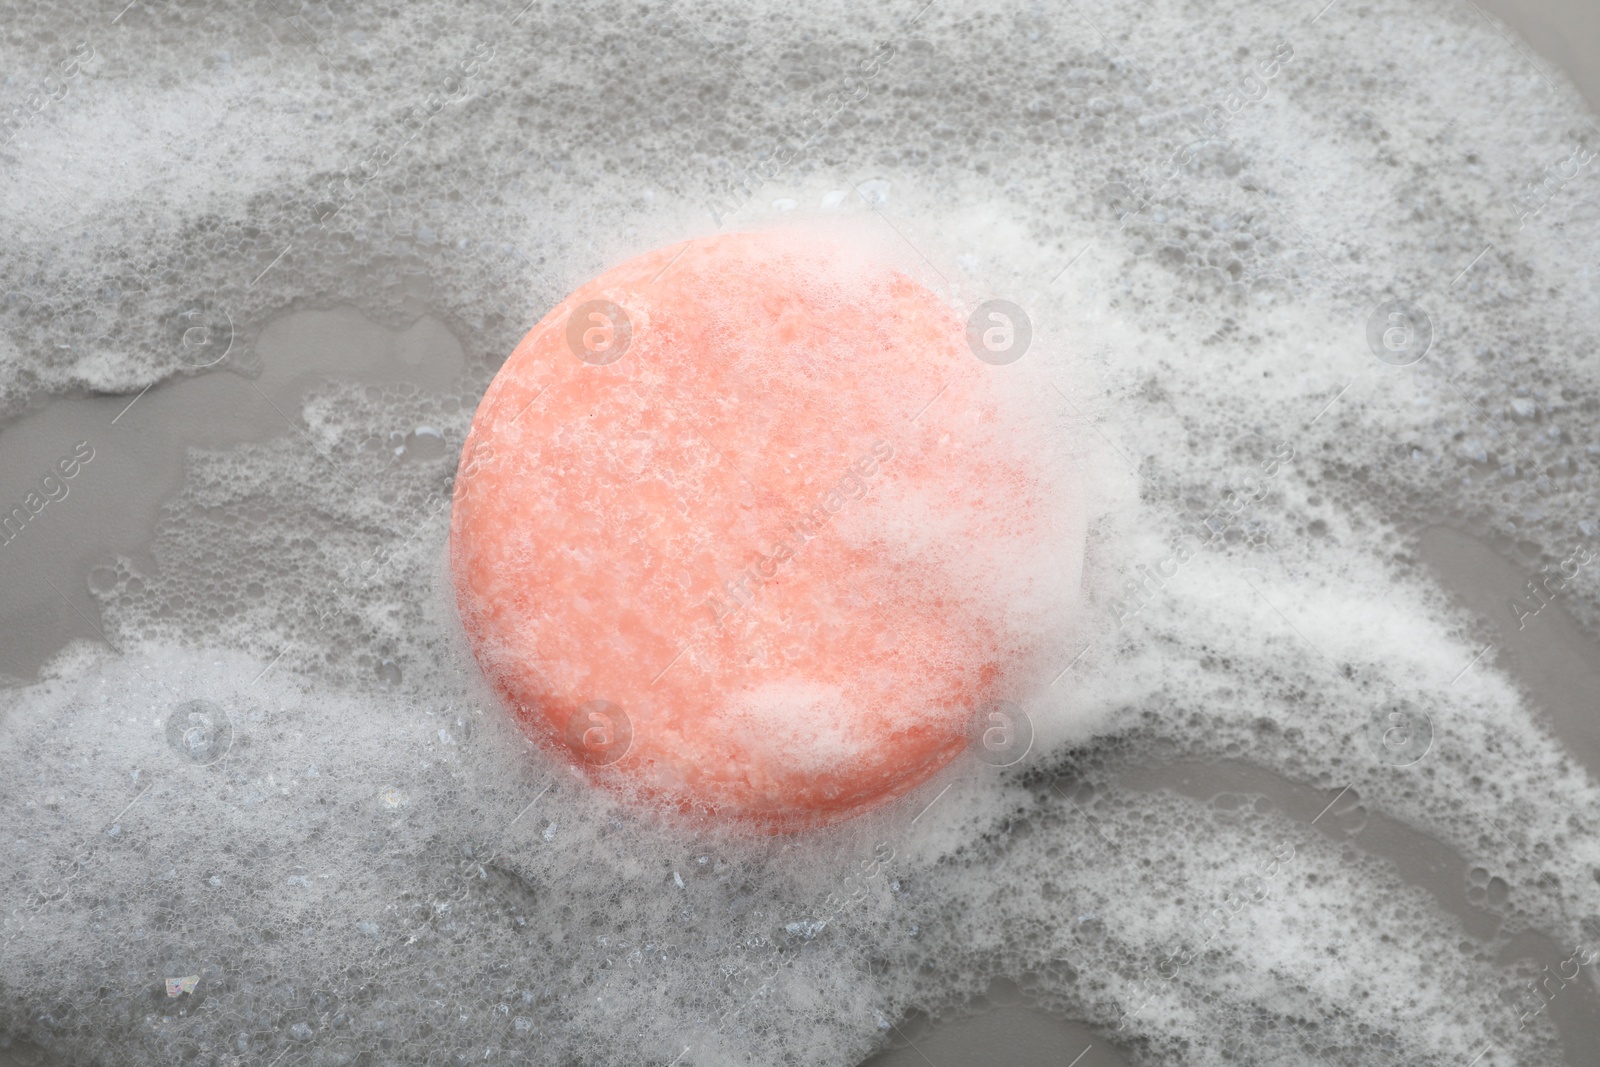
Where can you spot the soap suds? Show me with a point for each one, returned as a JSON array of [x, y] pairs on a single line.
[[380, 863]]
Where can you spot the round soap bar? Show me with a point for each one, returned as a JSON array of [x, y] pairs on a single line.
[[742, 527]]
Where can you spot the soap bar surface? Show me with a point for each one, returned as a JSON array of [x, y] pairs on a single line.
[[737, 529]]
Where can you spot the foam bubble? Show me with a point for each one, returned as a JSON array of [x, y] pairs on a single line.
[[376, 863]]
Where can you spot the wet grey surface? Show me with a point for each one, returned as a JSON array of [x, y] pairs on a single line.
[[1004, 1030], [114, 502], [137, 444], [1543, 647], [1564, 33]]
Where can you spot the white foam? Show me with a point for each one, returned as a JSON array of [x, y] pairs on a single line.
[[397, 870]]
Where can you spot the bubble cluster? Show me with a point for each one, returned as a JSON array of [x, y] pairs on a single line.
[[289, 788]]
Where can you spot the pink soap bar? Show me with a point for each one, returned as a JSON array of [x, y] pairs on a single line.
[[731, 531]]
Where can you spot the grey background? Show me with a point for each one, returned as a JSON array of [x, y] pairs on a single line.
[[1560, 671]]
